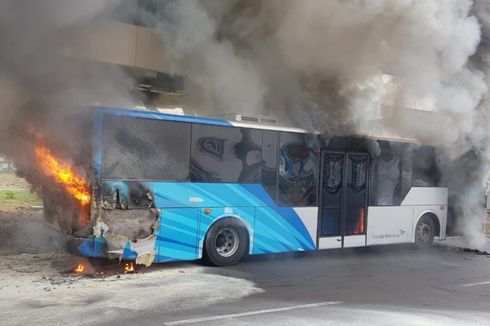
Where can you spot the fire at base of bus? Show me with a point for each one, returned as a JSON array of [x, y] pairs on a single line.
[[96, 218]]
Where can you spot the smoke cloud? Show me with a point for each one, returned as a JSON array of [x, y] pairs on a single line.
[[339, 66], [346, 66], [42, 89]]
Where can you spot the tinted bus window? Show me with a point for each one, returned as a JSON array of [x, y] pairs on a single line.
[[225, 154], [406, 157], [391, 174], [297, 170], [387, 178], [425, 170], [145, 149], [269, 162]]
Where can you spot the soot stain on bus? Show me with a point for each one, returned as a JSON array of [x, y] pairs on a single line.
[[123, 224], [101, 219]]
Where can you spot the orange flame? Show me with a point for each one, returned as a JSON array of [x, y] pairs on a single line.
[[63, 173], [80, 268], [360, 221], [128, 267]]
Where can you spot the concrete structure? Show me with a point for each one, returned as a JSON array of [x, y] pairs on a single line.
[[136, 49], [130, 45]]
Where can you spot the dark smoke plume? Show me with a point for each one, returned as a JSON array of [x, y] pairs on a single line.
[[41, 90], [346, 66]]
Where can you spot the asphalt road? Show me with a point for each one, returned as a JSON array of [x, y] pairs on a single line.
[[369, 286]]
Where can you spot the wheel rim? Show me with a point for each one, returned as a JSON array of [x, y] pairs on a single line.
[[423, 232], [227, 242]]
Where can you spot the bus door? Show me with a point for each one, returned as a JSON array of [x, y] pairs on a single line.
[[343, 199]]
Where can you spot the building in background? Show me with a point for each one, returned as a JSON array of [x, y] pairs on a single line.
[[120, 42]]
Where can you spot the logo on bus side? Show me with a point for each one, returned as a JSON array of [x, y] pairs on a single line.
[[402, 233]]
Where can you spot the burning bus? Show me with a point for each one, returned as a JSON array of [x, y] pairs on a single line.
[[164, 187]]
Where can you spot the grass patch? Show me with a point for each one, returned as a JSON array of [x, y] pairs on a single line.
[[18, 198], [9, 195]]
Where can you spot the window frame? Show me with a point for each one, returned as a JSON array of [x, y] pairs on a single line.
[[316, 166], [239, 129], [101, 135]]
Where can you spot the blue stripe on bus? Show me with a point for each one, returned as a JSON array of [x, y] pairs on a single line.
[[170, 194], [176, 243], [183, 223], [163, 116]]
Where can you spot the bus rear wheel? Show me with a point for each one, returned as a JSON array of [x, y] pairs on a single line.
[[424, 233], [225, 243]]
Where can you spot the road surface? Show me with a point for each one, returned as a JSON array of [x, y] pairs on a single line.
[[378, 286]]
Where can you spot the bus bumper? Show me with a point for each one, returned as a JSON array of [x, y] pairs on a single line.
[[92, 247], [96, 247]]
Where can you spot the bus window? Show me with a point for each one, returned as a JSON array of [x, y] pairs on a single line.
[[332, 183], [391, 173], [145, 149], [269, 162], [425, 170], [406, 171], [297, 171], [224, 154], [386, 176]]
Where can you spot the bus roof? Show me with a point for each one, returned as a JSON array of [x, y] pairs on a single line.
[[193, 119], [228, 123]]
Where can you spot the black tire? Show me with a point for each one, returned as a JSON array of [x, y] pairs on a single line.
[[424, 233], [226, 243]]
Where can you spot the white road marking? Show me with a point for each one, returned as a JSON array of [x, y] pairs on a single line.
[[475, 284], [250, 313]]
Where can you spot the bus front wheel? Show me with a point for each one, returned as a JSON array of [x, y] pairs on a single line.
[[225, 243], [424, 233]]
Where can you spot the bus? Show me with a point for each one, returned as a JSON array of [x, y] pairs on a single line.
[[175, 188]]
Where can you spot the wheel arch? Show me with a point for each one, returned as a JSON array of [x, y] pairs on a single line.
[[435, 219], [238, 218]]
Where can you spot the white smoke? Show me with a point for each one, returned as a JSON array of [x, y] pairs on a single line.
[[323, 64], [43, 90], [39, 85], [221, 79]]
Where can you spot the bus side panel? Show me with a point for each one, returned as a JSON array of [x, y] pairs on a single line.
[[177, 234], [427, 196], [440, 211], [389, 224], [211, 215], [309, 217], [207, 195], [280, 229]]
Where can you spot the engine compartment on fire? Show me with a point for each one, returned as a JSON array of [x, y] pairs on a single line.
[[102, 218], [124, 217]]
